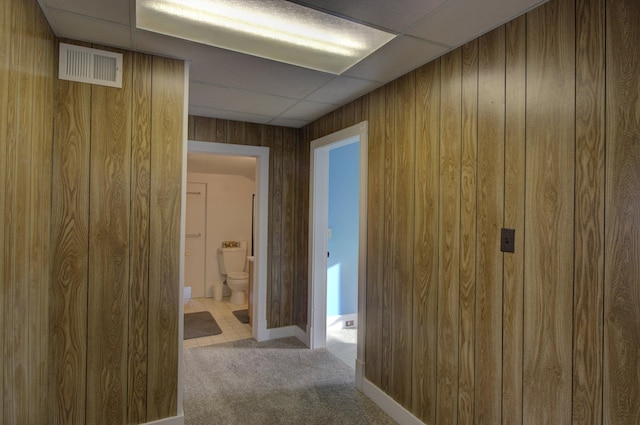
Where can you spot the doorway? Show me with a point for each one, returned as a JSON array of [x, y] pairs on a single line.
[[195, 239], [261, 155], [318, 240]]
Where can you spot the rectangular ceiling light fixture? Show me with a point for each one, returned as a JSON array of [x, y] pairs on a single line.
[[272, 29]]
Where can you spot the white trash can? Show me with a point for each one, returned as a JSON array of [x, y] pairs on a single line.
[[217, 291]]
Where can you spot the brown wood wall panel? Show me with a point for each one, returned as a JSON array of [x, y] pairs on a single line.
[[70, 245], [288, 224], [449, 236], [375, 238], [589, 213], [425, 251], [5, 43], [139, 238], [514, 178], [491, 122], [109, 218], [621, 362], [275, 230], [468, 207], [387, 229], [402, 241], [164, 247], [549, 225]]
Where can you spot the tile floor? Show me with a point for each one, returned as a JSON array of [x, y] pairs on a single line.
[[231, 327]]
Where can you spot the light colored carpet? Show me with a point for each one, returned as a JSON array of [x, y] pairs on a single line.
[[272, 382]]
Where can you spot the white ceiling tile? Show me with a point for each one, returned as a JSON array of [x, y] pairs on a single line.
[[398, 57], [342, 90], [459, 21], [228, 115], [305, 110], [289, 122], [82, 28], [395, 15], [112, 10], [231, 99]]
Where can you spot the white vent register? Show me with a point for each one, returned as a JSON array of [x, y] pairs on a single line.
[[87, 65]]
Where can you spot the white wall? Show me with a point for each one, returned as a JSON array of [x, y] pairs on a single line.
[[228, 217]]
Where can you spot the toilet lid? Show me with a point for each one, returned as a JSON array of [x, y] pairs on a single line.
[[238, 275]]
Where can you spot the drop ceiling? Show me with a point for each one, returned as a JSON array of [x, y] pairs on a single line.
[[236, 86]]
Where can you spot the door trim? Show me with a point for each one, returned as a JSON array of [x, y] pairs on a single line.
[[318, 224], [261, 153]]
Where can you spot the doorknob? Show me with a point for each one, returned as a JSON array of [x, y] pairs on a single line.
[[187, 254]]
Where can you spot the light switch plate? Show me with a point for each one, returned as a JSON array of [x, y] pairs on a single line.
[[508, 240]]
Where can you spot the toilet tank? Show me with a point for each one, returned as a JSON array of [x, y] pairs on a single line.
[[232, 259]]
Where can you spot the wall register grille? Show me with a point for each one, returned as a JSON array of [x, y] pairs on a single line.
[[87, 65]]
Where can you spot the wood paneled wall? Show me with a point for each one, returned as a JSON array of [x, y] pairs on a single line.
[[117, 160], [26, 122], [287, 252], [89, 238], [532, 126]]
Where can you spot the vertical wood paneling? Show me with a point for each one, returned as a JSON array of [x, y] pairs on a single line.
[[389, 216], [491, 98], [109, 217], [549, 226], [402, 242], [139, 238], [589, 213], [5, 51], [466, 386], [166, 165], [288, 223], [236, 132], [514, 177], [449, 237], [42, 122], [621, 361], [205, 129], [275, 229], [425, 253], [375, 238], [70, 245]]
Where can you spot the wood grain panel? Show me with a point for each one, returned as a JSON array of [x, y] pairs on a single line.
[[375, 238], [491, 98], [466, 341], [550, 154], [164, 250], [5, 49], [275, 229], [449, 237], [236, 132], [139, 238], [252, 134], [109, 216], [70, 247], [301, 230], [514, 176], [40, 268], [389, 217], [589, 213], [288, 223], [402, 240], [17, 251], [621, 361], [205, 130], [425, 252]]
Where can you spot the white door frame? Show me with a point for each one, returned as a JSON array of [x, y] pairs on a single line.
[[318, 225], [261, 153]]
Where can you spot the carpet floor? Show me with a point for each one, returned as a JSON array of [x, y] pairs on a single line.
[[276, 382]]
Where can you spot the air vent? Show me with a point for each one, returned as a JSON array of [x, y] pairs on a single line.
[[92, 66]]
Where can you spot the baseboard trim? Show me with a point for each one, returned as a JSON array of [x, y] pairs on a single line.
[[174, 420], [389, 405], [359, 374]]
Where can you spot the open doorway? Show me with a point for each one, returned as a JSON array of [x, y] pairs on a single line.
[[258, 209], [319, 238]]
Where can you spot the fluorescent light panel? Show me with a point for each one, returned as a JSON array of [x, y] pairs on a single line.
[[272, 29]]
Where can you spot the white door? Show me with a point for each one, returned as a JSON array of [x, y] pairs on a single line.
[[195, 239]]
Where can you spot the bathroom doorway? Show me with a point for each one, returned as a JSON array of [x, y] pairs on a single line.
[[260, 156], [319, 237]]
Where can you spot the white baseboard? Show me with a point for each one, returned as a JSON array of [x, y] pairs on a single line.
[[302, 336], [359, 374], [275, 333], [174, 420], [389, 405]]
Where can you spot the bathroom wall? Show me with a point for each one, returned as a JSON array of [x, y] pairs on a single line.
[[533, 126], [344, 189], [229, 217]]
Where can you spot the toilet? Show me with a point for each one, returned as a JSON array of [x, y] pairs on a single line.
[[232, 263]]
